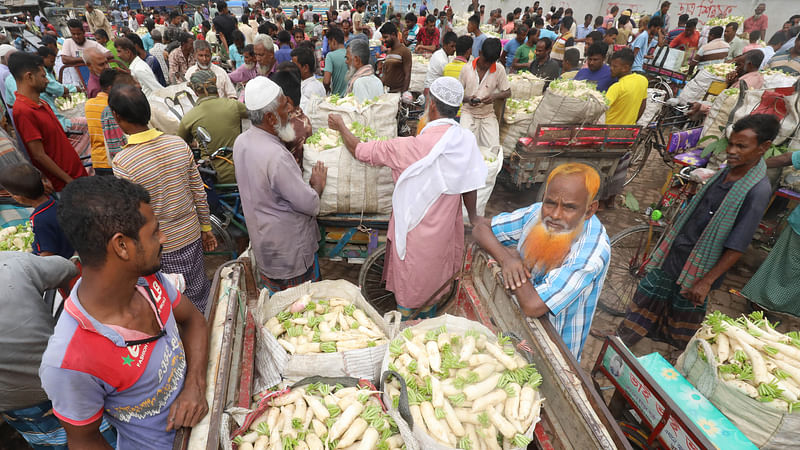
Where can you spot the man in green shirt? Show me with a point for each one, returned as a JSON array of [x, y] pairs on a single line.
[[335, 77], [101, 37], [221, 117], [526, 52]]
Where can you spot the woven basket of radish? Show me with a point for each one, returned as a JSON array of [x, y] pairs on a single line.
[[326, 328], [460, 386], [751, 373], [320, 413]]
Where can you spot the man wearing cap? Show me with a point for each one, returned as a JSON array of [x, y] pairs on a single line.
[[5, 51], [433, 172], [220, 116], [280, 209]]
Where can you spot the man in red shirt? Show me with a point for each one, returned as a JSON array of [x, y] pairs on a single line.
[[47, 145], [757, 22], [690, 37], [428, 37]]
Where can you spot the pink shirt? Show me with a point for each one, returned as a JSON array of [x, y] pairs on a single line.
[[435, 247], [756, 24]]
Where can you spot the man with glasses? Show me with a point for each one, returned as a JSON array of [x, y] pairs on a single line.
[[128, 347]]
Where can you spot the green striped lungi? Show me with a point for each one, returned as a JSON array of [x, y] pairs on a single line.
[[660, 312], [776, 284]]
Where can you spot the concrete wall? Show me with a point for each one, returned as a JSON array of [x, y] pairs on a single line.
[[778, 11]]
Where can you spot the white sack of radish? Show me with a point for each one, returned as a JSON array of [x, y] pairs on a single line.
[[467, 389], [750, 372], [320, 416], [342, 335]]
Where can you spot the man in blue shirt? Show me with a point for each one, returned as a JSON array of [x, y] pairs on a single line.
[[284, 52], [595, 69], [554, 255], [646, 40], [544, 32], [474, 27], [585, 29], [510, 49]]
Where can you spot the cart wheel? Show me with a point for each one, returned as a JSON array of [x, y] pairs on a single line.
[[370, 278], [635, 434], [630, 250], [641, 152]]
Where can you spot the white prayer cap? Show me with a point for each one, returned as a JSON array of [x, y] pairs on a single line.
[[448, 90], [260, 92], [5, 49]]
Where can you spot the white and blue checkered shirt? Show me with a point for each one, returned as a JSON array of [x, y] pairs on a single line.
[[570, 291]]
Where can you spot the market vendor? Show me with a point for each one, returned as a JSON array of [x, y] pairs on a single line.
[[280, 209], [747, 66], [554, 255], [704, 241], [433, 172], [484, 80], [128, 347], [776, 284]]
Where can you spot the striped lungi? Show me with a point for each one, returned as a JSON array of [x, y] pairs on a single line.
[[776, 285], [275, 285], [188, 261], [660, 312], [41, 428], [81, 142]]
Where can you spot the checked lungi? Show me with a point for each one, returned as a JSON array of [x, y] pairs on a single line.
[[42, 429], [776, 285], [660, 312], [275, 285], [188, 261]]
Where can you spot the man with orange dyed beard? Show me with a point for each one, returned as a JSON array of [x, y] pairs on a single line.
[[554, 255]]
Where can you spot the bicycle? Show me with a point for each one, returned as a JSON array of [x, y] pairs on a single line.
[[669, 119], [632, 248]]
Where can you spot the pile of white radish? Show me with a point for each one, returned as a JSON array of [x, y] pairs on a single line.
[[323, 417], [465, 390], [755, 358], [326, 326]]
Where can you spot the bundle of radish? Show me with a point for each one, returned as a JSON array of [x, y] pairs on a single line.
[[755, 358], [320, 416], [325, 326], [466, 390]]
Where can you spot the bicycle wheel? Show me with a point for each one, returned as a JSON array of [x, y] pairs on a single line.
[[370, 278], [226, 245], [641, 153], [630, 251]]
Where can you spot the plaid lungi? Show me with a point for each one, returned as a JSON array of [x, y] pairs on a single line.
[[776, 286], [41, 428], [188, 261], [275, 285], [660, 312]]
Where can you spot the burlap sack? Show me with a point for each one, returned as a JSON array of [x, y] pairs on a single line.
[[558, 109]]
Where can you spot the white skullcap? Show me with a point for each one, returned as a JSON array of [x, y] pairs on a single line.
[[6, 49], [448, 90], [260, 92]]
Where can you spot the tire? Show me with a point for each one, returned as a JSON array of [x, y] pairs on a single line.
[[630, 252], [226, 245], [640, 155], [370, 278]]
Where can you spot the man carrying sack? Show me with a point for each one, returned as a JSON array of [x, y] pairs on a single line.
[[433, 172]]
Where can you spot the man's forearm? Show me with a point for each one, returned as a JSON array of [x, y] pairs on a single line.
[[470, 202], [38, 155], [780, 160], [194, 336], [482, 232], [71, 60], [350, 141]]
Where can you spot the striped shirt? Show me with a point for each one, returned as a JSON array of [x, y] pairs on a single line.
[[570, 291], [94, 110], [112, 134], [165, 166]]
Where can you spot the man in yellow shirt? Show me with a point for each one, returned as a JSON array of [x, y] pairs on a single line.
[[627, 97], [463, 50], [101, 162]]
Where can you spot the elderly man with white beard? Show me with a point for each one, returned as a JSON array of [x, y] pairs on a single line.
[[554, 255], [280, 209], [264, 50], [202, 54]]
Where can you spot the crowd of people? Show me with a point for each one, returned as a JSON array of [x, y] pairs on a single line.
[[125, 365]]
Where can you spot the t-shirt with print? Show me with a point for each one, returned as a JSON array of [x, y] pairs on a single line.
[[47, 233], [88, 371], [525, 54], [336, 64]]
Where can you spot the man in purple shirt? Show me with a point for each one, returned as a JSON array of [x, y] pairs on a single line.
[[595, 69], [97, 63], [280, 209], [128, 346]]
